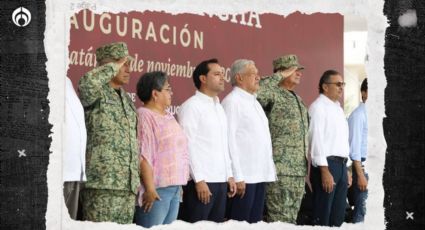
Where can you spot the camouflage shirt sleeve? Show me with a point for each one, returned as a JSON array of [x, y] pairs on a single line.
[[265, 94], [90, 85]]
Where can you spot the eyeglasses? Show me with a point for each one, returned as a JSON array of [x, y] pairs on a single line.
[[339, 84], [168, 89]]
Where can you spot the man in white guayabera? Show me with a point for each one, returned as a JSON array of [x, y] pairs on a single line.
[[329, 148], [204, 122], [74, 154], [250, 144]]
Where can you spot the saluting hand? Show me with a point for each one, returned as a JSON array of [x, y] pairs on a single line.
[[288, 72], [121, 62]]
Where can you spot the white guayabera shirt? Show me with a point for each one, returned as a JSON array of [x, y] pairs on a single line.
[[74, 157], [204, 122], [250, 143], [328, 132]]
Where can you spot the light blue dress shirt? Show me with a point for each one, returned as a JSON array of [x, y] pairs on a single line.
[[357, 123]]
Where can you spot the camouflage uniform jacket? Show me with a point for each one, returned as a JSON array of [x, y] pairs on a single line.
[[111, 120], [288, 122]]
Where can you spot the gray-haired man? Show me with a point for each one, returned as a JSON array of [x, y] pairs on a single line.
[[250, 144]]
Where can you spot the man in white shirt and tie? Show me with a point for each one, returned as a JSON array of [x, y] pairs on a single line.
[[329, 149], [250, 143], [204, 122]]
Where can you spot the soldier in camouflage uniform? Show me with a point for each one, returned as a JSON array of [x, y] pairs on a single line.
[[288, 122], [112, 147]]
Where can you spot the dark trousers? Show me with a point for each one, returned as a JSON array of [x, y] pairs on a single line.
[[249, 208], [329, 208], [193, 210], [357, 199], [305, 214], [71, 192]]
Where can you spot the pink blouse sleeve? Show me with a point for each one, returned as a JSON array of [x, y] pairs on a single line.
[[146, 136]]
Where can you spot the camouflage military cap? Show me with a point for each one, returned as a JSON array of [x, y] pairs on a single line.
[[286, 61], [114, 51]]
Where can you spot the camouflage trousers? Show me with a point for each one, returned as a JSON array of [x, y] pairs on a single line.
[[283, 199], [108, 205]]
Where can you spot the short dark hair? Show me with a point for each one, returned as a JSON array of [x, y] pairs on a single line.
[[202, 69], [325, 78], [363, 87], [148, 82]]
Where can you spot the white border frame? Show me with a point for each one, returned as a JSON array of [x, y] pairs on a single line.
[[56, 43]]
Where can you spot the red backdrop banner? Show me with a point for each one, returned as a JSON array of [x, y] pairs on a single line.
[[175, 44]]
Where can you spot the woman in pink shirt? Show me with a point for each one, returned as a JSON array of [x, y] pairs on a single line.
[[164, 160]]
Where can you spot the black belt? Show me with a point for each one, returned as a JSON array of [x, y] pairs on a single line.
[[338, 159]]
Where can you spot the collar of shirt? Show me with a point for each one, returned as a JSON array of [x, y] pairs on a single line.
[[328, 131], [207, 98], [167, 114], [245, 94], [328, 101]]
